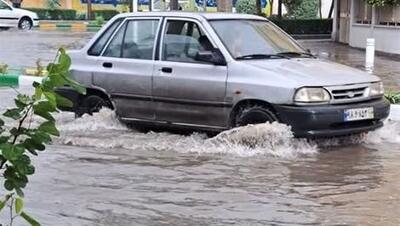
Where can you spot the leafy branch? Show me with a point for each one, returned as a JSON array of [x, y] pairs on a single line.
[[18, 144]]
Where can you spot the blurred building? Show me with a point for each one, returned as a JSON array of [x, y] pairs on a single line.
[[355, 21]]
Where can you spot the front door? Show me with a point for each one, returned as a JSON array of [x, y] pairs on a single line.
[[7, 16], [186, 91], [125, 68], [344, 21]]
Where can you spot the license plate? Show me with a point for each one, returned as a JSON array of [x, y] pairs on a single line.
[[358, 114]]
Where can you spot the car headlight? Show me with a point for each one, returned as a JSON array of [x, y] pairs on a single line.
[[312, 95], [376, 89]]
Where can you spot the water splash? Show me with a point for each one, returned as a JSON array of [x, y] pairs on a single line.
[[105, 131]]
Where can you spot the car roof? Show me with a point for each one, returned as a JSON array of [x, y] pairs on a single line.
[[194, 15]]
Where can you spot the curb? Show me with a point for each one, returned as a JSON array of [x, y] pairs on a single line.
[[69, 27], [16, 81]]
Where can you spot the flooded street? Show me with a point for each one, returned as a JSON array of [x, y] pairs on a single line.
[[101, 173], [98, 172]]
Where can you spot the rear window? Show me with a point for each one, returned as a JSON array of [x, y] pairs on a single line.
[[98, 46]]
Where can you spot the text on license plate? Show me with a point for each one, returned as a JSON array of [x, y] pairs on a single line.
[[358, 114]]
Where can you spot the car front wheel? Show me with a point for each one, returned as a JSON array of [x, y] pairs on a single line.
[[91, 104], [253, 114], [25, 24]]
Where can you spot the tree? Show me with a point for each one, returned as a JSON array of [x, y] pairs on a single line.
[[301, 9], [246, 6], [383, 2]]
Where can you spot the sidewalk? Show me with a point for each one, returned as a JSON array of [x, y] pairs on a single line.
[[387, 68]]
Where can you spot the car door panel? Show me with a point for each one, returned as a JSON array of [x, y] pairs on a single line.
[[8, 18], [125, 69], [189, 92]]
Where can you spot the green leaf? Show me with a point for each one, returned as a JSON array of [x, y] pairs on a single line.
[[38, 92], [32, 144], [19, 205], [41, 137], [50, 128], [63, 102], [10, 152], [29, 219], [64, 60], [78, 87], [19, 192], [1, 123], [4, 202], [51, 97], [30, 170], [4, 139], [43, 109], [9, 185], [13, 113]]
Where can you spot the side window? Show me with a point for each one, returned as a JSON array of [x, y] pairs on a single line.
[[4, 6], [98, 46], [114, 49], [139, 39], [183, 40]]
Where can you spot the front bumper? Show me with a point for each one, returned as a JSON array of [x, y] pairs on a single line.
[[35, 23], [328, 120]]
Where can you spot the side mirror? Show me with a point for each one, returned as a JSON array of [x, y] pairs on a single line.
[[214, 57]]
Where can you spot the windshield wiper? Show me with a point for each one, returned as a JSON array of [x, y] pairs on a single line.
[[260, 56], [298, 54]]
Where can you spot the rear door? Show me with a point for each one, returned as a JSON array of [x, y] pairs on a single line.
[[187, 91], [125, 67], [7, 16]]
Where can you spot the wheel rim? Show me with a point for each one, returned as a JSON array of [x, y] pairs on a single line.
[[254, 117], [96, 106], [25, 25]]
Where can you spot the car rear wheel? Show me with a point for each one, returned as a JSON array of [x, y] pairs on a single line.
[[91, 104], [253, 114], [25, 24]]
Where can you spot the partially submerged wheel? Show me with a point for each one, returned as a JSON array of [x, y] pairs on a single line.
[[25, 24], [253, 114], [91, 104]]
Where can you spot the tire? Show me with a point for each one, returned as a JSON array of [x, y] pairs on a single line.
[[91, 104], [25, 24], [253, 114]]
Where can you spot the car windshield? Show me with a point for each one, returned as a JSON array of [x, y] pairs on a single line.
[[251, 39]]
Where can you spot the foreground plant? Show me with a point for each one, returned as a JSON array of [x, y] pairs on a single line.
[[20, 142], [393, 98]]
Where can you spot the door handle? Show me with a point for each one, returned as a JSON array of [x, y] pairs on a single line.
[[107, 65], [166, 70]]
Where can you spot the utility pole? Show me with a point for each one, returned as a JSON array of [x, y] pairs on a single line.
[[133, 6], [280, 9], [173, 5], [89, 9], [258, 7]]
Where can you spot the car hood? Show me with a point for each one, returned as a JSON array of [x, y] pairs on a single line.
[[23, 12], [313, 72]]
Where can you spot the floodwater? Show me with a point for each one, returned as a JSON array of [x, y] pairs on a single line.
[[98, 172]]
